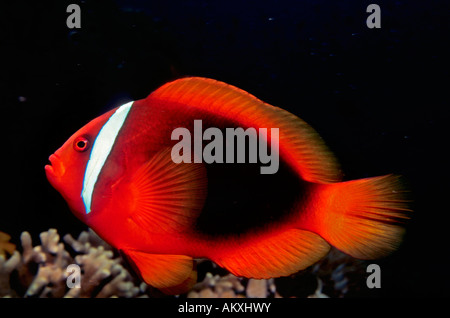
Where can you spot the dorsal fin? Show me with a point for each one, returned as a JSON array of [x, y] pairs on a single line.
[[300, 144]]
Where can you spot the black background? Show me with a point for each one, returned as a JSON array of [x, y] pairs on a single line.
[[378, 97]]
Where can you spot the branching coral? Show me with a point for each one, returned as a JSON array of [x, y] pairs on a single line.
[[215, 286], [6, 268], [52, 259], [101, 274], [230, 286]]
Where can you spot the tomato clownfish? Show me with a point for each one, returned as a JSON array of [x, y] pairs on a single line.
[[118, 176]]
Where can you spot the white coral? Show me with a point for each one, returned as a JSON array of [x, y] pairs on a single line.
[[102, 275], [215, 286]]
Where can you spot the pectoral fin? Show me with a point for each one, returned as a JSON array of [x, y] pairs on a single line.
[[165, 197]]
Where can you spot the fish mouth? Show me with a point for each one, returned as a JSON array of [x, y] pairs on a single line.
[[55, 168]]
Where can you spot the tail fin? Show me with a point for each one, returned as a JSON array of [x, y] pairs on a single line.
[[363, 218]]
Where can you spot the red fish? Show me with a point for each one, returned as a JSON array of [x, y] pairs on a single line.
[[118, 175]]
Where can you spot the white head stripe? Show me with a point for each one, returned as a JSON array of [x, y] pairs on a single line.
[[100, 151]]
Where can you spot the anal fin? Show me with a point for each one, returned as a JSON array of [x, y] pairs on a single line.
[[277, 255], [185, 286]]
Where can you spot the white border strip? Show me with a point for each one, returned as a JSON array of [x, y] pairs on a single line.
[[102, 147]]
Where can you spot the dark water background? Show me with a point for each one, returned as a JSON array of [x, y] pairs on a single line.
[[378, 97]]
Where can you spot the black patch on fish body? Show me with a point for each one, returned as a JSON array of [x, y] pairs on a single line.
[[241, 199]]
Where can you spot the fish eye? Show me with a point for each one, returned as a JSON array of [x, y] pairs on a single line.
[[81, 144]]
